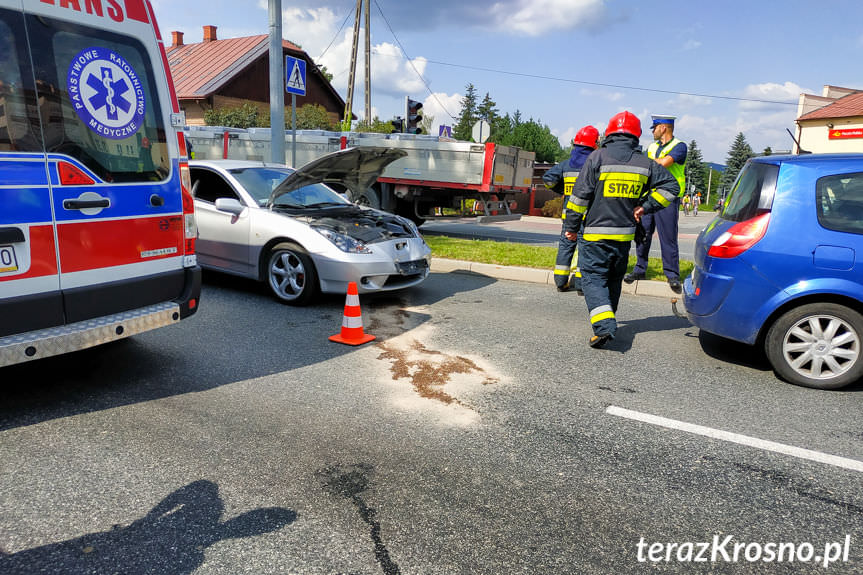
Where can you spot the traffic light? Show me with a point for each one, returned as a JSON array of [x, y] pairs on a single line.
[[398, 125], [413, 116]]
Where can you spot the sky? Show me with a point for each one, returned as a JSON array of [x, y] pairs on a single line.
[[721, 67]]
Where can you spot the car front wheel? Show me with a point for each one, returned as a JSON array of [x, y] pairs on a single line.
[[291, 274], [817, 345]]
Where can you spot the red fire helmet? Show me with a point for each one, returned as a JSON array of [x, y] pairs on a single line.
[[624, 123], [587, 136]]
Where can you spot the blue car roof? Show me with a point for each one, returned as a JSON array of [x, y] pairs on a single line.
[[810, 158]]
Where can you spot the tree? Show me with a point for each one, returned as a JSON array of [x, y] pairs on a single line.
[[247, 115], [535, 137], [739, 153], [310, 117], [768, 151], [487, 110], [376, 125], [325, 73], [695, 169], [468, 115]]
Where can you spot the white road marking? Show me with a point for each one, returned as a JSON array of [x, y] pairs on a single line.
[[799, 452]]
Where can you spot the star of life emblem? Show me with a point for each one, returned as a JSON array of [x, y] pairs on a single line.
[[106, 93]]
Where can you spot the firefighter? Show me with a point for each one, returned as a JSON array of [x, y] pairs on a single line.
[[561, 179], [617, 185]]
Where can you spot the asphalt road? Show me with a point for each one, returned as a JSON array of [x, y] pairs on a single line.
[[546, 231], [477, 434]]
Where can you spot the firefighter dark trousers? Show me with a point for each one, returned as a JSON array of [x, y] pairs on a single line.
[[665, 223], [603, 264], [566, 263]]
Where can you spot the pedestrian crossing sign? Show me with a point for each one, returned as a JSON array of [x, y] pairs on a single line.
[[295, 76]]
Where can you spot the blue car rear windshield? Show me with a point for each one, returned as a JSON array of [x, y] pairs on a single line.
[[744, 202]]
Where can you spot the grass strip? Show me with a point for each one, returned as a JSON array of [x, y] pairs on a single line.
[[523, 255]]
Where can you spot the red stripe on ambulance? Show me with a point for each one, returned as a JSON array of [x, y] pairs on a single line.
[[43, 261], [119, 242]]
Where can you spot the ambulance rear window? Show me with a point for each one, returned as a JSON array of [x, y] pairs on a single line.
[[19, 124], [99, 101]]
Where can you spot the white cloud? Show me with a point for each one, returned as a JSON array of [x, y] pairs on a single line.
[[787, 92], [441, 105], [537, 17]]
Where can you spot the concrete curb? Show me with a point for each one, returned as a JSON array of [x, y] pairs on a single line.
[[533, 275]]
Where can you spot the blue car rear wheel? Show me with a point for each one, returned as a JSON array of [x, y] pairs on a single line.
[[817, 345]]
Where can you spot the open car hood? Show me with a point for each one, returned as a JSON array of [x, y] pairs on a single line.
[[354, 168]]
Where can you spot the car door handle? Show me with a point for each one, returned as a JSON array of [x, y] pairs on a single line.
[[156, 200], [11, 236], [84, 204]]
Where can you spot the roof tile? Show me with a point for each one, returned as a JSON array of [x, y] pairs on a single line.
[[850, 105], [196, 68]]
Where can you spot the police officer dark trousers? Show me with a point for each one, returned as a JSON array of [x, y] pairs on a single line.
[[609, 197], [561, 179], [671, 153]]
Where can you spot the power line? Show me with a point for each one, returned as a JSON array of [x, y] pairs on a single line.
[[604, 85], [404, 52], [345, 21]]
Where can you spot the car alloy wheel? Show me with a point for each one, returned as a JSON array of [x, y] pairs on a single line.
[[817, 345], [291, 274]]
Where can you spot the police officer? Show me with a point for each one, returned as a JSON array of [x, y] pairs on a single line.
[[561, 179], [671, 153], [608, 201]]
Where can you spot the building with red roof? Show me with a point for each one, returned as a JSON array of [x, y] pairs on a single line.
[[226, 73], [831, 122]]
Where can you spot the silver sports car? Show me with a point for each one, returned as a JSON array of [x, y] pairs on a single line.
[[289, 229]]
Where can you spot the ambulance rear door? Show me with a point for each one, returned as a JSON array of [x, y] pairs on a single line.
[[30, 297], [112, 157]]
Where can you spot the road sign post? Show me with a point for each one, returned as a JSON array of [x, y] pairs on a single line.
[[295, 84]]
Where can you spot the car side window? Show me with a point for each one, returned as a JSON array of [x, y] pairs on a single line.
[[19, 117], [840, 202], [210, 186]]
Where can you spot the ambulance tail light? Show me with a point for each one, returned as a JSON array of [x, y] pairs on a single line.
[[190, 227], [740, 237]]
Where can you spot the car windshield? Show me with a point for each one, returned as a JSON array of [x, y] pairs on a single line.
[[260, 182]]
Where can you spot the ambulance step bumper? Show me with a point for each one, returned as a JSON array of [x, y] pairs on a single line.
[[83, 334]]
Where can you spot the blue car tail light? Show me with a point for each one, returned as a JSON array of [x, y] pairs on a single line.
[[740, 237]]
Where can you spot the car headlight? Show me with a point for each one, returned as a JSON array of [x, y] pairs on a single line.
[[342, 241]]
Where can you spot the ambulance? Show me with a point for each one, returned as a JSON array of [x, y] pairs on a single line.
[[97, 224]]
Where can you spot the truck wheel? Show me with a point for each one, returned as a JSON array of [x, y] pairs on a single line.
[[291, 274], [817, 345], [369, 199]]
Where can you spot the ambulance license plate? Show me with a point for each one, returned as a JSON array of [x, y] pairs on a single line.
[[8, 260]]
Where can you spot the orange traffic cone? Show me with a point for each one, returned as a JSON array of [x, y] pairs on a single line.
[[352, 322]]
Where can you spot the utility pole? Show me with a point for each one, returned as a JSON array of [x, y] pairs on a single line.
[[709, 179], [277, 85], [368, 66], [349, 101]]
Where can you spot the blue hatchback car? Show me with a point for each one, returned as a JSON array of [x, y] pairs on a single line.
[[781, 266]]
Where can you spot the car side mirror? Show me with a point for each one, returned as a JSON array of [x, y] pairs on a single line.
[[230, 205]]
